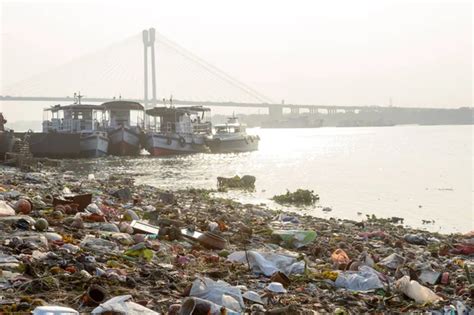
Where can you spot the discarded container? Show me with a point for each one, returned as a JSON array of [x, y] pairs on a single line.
[[82, 200], [281, 278], [194, 305], [253, 297], [94, 295], [276, 287], [212, 241], [54, 310], [142, 227], [416, 291]]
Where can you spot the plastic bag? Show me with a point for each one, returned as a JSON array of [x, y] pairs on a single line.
[[218, 292], [268, 263], [365, 279], [294, 238]]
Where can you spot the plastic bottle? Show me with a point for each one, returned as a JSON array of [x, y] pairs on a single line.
[[416, 291]]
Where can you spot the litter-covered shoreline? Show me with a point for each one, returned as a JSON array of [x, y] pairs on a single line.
[[187, 252]]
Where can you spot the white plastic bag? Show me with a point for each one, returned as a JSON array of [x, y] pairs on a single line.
[[268, 263]]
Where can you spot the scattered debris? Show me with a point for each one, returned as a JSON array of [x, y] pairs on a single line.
[[96, 247], [299, 197]]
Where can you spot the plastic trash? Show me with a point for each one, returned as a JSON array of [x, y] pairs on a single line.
[[365, 279], [219, 292], [54, 310], [294, 238], [253, 297], [416, 291], [392, 261], [276, 287], [5, 209], [268, 263], [123, 305], [429, 276], [201, 306], [415, 239], [340, 257]]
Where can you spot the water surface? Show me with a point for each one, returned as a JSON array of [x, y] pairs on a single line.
[[415, 172]]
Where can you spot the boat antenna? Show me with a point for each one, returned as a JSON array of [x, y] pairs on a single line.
[[78, 96]]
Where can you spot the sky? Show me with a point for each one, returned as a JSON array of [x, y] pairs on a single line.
[[417, 53]]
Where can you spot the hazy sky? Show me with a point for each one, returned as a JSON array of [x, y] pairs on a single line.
[[315, 52]]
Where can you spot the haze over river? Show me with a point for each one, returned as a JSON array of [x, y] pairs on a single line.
[[414, 172]]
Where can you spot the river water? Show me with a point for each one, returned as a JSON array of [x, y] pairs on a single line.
[[414, 172]]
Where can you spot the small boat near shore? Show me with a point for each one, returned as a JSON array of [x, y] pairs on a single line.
[[81, 119], [177, 130], [123, 130], [232, 137]]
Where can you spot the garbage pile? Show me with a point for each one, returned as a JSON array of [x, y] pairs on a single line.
[[80, 244], [298, 197]]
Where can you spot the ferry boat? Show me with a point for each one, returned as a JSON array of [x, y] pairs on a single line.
[[81, 119], [232, 137], [177, 130], [7, 138], [124, 125]]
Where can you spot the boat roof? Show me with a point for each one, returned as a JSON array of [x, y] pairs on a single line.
[[123, 105], [228, 125], [162, 111], [56, 108]]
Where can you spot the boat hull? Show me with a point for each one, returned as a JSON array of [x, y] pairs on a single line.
[[124, 141], [6, 143], [159, 144], [243, 144], [94, 144]]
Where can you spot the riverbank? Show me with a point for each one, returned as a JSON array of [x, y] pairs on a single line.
[[329, 265]]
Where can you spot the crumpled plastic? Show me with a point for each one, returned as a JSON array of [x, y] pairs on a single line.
[[294, 238], [365, 279], [122, 305], [218, 292], [268, 263]]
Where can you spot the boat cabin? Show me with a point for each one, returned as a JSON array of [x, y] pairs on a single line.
[[180, 120], [123, 114], [232, 126], [73, 118]]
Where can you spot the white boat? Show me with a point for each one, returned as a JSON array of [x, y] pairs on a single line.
[[79, 119], [177, 130], [232, 137], [124, 126]]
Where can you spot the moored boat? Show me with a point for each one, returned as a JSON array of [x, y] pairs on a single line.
[[82, 119], [123, 131], [177, 130], [232, 137]]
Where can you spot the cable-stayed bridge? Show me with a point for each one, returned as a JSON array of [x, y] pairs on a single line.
[[123, 69]]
